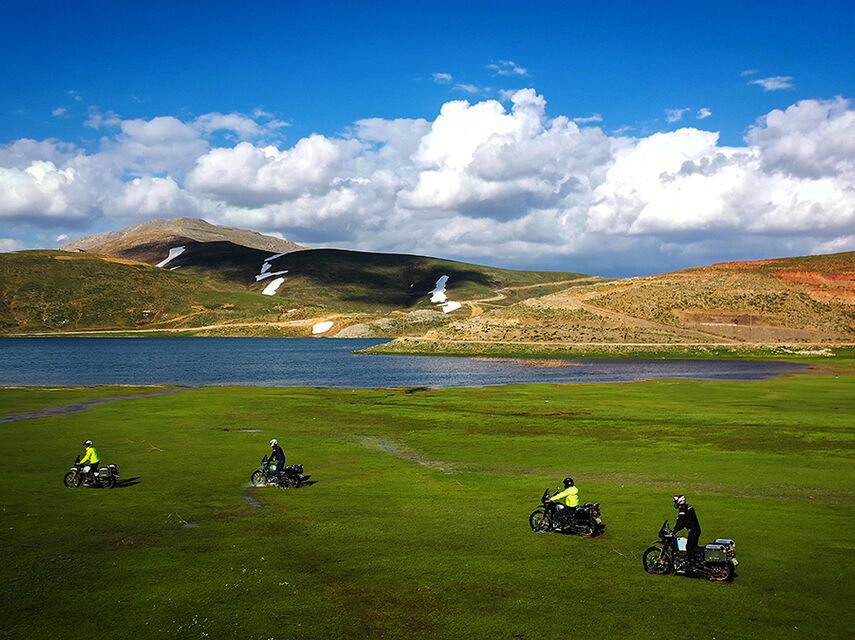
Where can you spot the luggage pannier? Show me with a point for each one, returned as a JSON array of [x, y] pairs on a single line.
[[715, 553]]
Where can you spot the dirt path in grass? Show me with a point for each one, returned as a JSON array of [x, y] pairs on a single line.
[[77, 407], [395, 448]]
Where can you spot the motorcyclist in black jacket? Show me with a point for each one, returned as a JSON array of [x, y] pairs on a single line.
[[687, 519], [278, 455]]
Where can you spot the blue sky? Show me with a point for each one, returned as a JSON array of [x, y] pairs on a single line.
[[626, 70]]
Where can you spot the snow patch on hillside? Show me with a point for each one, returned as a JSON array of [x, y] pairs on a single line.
[[439, 296], [438, 293], [323, 327], [270, 274], [173, 253], [265, 269], [272, 286]]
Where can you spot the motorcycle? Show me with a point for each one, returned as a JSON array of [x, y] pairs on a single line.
[[103, 478], [583, 520], [291, 476], [670, 555]]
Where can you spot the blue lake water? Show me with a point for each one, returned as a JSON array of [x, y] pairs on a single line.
[[314, 362]]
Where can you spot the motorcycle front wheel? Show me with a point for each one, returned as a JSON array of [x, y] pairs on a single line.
[[258, 479], [721, 572], [71, 480], [540, 521], [657, 561]]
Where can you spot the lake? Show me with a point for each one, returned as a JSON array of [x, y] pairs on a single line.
[[314, 362]]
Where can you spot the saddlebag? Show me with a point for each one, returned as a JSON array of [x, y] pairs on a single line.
[[715, 553], [727, 542], [593, 508], [104, 472]]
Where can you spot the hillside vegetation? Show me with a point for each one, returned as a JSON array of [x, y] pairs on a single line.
[[213, 280], [212, 289], [61, 291], [790, 300]]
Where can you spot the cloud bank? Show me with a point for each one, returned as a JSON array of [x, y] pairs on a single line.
[[487, 181]]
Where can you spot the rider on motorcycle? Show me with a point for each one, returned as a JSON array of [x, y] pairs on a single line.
[[90, 458], [570, 497], [277, 455], [687, 519]]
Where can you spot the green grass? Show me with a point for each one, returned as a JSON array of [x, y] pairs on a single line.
[[431, 538], [26, 399]]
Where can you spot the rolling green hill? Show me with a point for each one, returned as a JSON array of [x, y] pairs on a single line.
[[61, 291], [214, 283]]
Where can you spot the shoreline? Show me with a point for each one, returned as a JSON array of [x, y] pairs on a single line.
[[603, 350]]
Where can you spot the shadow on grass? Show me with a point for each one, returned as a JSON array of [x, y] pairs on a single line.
[[129, 482]]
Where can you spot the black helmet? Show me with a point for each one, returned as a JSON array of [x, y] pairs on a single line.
[[679, 501], [87, 444], [568, 482]]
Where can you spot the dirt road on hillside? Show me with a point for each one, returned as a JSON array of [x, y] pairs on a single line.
[[477, 310]]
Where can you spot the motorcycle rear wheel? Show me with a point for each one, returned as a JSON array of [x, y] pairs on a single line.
[[108, 482], [540, 521], [721, 572], [657, 561], [289, 482], [258, 479], [71, 480]]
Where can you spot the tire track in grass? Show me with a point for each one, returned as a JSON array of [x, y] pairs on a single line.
[[395, 449], [77, 407]]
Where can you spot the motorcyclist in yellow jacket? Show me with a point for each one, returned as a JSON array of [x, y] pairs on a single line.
[[90, 458], [566, 501]]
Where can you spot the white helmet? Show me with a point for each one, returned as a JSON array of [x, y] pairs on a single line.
[[274, 442], [87, 444]]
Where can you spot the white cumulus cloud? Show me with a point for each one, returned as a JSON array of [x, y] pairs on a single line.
[[483, 180]]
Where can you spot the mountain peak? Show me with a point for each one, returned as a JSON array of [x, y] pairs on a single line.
[[191, 228]]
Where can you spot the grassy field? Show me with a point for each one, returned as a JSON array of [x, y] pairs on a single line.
[[417, 523]]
